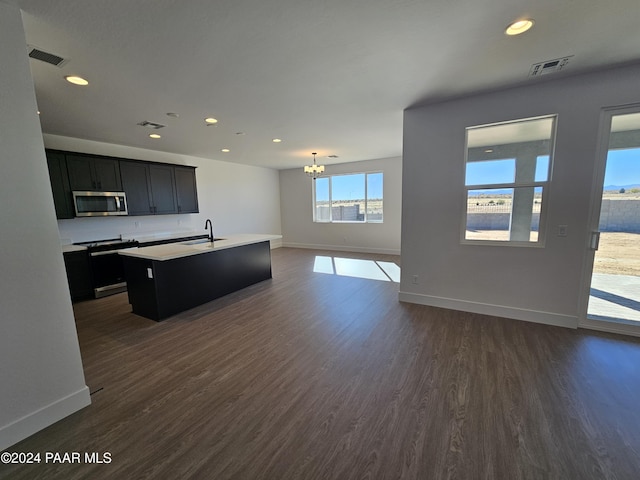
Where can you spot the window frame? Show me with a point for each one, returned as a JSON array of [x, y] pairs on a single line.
[[544, 186], [366, 198]]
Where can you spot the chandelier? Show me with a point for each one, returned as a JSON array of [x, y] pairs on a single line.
[[314, 171]]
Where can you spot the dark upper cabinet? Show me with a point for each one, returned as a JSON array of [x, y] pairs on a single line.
[[186, 190], [137, 186], [93, 173], [60, 187], [150, 187], [163, 188], [108, 174]]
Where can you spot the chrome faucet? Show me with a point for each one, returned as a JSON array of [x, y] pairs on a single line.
[[210, 226]]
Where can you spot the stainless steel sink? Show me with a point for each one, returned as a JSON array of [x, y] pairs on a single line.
[[200, 241]]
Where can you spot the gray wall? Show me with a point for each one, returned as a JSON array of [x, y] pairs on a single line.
[[296, 204], [41, 376], [528, 283], [496, 221], [615, 216], [620, 216]]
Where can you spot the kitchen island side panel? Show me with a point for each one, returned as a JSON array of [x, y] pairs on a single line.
[[140, 288], [183, 283]]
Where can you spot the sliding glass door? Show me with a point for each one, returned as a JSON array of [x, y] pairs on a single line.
[[614, 290]]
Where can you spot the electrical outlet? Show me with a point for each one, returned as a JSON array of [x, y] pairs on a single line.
[[414, 279], [562, 230]]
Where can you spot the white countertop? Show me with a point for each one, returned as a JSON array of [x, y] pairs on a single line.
[[72, 248], [171, 251]]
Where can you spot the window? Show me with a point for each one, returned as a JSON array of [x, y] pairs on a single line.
[[348, 198], [507, 172]]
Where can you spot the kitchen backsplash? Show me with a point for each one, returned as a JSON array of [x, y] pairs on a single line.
[[98, 228]]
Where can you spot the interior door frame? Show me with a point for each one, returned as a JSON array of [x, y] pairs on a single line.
[[597, 188]]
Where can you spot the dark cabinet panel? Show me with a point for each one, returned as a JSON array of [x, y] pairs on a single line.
[[136, 185], [108, 174], [151, 188], [79, 275], [80, 174], [93, 173], [163, 190], [60, 185], [186, 190]]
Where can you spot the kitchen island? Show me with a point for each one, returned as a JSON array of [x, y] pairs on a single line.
[[164, 280]]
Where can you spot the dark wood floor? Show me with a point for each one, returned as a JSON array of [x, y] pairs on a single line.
[[317, 376]]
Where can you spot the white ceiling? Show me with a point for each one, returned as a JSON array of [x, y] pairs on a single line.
[[326, 76]]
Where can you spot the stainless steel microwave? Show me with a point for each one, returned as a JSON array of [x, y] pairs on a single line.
[[96, 204]]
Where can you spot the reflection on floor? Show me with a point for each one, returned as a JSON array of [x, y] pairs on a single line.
[[353, 267], [615, 297]]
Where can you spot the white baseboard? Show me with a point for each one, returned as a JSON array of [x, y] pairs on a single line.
[[534, 316], [343, 248], [48, 415], [610, 327]]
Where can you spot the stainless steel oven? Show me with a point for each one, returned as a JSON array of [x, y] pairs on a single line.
[[107, 266]]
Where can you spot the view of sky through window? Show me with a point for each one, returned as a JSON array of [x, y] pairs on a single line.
[[349, 187], [490, 172], [623, 168]]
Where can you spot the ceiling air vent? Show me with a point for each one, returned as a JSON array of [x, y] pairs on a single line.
[[550, 66], [151, 125], [50, 58]]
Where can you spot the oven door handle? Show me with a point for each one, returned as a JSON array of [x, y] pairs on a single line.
[[106, 252]]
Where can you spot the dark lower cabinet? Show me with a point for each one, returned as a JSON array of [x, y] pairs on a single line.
[[160, 289], [79, 275]]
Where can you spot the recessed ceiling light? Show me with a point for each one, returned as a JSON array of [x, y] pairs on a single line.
[[76, 80], [521, 26], [225, 150], [155, 135], [172, 115], [276, 140], [240, 133], [211, 120]]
